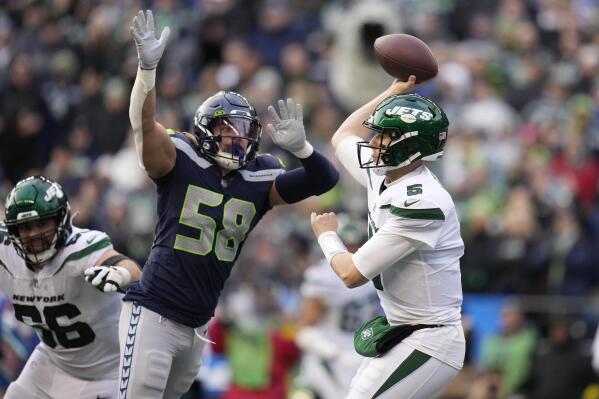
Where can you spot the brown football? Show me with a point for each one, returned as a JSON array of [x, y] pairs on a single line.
[[402, 55]]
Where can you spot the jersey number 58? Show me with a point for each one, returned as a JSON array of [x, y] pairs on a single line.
[[237, 218]]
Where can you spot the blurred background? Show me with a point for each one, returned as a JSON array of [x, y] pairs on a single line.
[[519, 80]]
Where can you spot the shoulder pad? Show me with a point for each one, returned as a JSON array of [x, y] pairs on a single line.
[[82, 238], [268, 161], [177, 134]]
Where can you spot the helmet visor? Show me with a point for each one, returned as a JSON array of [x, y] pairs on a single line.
[[234, 127], [234, 135]]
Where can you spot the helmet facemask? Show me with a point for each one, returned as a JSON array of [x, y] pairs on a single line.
[[38, 248], [228, 130], [37, 203], [230, 140], [377, 155]]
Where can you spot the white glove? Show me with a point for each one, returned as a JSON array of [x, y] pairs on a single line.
[[288, 131], [149, 49], [108, 278]]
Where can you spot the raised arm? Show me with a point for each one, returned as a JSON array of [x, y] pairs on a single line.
[[352, 126], [155, 150]]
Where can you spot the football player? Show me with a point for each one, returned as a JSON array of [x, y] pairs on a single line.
[[331, 313], [412, 255], [212, 189], [43, 258]]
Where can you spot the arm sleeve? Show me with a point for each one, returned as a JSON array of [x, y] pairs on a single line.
[[316, 176], [347, 154], [397, 239], [144, 82]]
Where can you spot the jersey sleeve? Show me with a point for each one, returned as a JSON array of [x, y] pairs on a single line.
[[383, 250], [184, 148], [416, 218], [347, 154], [86, 251], [5, 273]]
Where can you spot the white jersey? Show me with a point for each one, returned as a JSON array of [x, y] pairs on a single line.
[[346, 308], [77, 324], [423, 287]]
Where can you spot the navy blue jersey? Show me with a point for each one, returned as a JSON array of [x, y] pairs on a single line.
[[203, 221]]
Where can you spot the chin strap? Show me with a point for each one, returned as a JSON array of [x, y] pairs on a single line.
[[226, 162]]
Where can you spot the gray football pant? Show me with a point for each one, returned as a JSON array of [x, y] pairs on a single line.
[[159, 358]]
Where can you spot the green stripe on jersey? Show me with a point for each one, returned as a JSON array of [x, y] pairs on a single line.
[[170, 132], [407, 367], [432, 214], [378, 282], [103, 243], [369, 178]]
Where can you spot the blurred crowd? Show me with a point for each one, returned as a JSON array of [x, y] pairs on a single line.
[[519, 80]]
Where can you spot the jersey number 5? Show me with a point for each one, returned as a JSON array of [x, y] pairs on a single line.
[[237, 218], [74, 335]]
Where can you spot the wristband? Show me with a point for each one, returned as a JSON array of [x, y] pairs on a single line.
[[331, 245], [305, 152]]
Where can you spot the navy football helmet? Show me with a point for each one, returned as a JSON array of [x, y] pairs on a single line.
[[228, 129]]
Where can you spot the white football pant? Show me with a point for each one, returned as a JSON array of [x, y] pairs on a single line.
[[404, 373], [42, 379]]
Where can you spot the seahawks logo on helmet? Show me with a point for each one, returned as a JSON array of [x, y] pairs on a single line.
[[411, 127], [32, 199]]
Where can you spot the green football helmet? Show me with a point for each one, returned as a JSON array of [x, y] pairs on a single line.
[[32, 199], [415, 127]]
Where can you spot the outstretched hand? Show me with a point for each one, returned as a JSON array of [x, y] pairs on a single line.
[[149, 49], [287, 130], [108, 278]]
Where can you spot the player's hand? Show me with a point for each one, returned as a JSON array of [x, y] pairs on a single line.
[[399, 87], [323, 223], [149, 49], [288, 130], [108, 278]]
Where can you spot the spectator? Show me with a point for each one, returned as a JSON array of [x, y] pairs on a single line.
[[510, 351], [560, 368]]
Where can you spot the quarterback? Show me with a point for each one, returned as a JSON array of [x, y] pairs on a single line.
[[412, 255], [44, 261]]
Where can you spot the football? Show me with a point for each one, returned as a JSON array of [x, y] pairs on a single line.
[[402, 55]]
